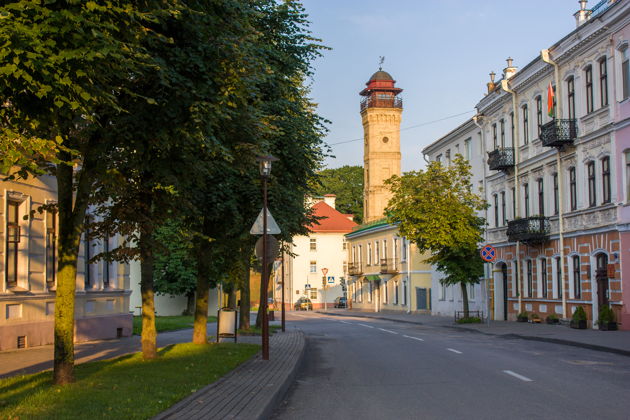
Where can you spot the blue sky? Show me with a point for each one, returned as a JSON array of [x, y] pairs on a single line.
[[440, 52]]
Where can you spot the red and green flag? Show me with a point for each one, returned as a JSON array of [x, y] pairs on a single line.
[[551, 109]]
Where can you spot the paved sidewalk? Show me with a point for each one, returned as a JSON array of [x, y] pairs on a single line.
[[252, 390], [609, 341]]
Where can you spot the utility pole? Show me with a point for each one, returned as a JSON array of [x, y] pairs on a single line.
[[324, 272]]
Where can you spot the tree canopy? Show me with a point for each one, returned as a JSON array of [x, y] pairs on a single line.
[[346, 183]]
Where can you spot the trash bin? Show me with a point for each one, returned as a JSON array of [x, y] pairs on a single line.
[[227, 324]]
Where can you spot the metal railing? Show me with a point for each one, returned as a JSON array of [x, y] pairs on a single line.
[[376, 102], [355, 269], [501, 158], [389, 265], [534, 229], [557, 133]]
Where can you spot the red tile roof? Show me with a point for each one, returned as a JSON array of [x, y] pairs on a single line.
[[333, 221]]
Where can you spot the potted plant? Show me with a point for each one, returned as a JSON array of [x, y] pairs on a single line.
[[607, 319], [522, 317], [578, 320], [535, 318], [552, 319]]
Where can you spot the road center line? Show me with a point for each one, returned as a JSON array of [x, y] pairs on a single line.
[[344, 322], [454, 351], [363, 325], [516, 375], [391, 332], [413, 338]]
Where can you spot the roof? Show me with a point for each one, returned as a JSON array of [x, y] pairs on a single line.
[[333, 220], [381, 75]]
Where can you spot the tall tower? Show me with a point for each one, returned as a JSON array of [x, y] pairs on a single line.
[[381, 111]]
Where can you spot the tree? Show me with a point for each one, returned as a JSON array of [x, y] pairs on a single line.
[[346, 183], [437, 210]]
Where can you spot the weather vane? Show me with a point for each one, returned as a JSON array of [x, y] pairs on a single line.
[[381, 60]]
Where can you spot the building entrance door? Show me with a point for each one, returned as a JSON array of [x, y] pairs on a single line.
[[601, 275], [377, 296], [421, 298], [504, 278]]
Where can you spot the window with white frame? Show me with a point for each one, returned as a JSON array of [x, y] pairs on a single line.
[[404, 296], [344, 244], [577, 281], [543, 278], [539, 114], [471, 292], [403, 250], [369, 292], [627, 155], [603, 82], [571, 97], [313, 267], [377, 253], [605, 180], [385, 292], [625, 72], [396, 299], [530, 279], [12, 243], [588, 75], [369, 253], [313, 244], [525, 125], [468, 148], [313, 293]]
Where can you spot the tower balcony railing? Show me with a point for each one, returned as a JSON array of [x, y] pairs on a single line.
[[501, 158], [557, 133], [534, 229], [389, 265], [355, 269], [376, 102]]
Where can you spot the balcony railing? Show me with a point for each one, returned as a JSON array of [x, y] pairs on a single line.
[[501, 159], [389, 265], [355, 269], [533, 229], [557, 133], [376, 102]]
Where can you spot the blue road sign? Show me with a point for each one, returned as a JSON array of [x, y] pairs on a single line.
[[488, 253]]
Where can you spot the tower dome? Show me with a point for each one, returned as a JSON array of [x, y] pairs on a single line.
[[381, 75]]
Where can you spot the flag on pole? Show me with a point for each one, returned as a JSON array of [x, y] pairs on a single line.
[[550, 101]]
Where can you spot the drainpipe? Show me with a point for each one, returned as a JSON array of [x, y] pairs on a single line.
[[544, 54], [487, 266], [517, 213]]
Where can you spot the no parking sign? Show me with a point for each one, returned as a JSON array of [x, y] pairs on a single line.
[[488, 253]]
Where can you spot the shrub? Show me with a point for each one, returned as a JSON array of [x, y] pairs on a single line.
[[579, 314], [553, 317], [606, 314], [535, 316], [469, 320], [523, 314]]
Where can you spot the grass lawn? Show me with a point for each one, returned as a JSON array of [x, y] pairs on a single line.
[[168, 323], [258, 331], [122, 388]]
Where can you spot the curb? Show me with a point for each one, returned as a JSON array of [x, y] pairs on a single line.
[[506, 336], [278, 396]]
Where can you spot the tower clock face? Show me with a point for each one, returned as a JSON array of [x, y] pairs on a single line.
[[385, 139]]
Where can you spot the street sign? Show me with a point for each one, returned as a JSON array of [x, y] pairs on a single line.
[[324, 271], [307, 286], [331, 280], [273, 246], [488, 253], [272, 226]]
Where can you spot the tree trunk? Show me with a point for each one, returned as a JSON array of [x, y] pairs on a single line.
[[149, 332], [200, 326], [232, 298], [190, 303], [465, 298], [262, 284], [245, 296]]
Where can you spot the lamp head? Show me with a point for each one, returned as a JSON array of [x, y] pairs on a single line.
[[265, 165]]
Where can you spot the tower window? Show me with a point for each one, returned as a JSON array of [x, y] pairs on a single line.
[[385, 139]]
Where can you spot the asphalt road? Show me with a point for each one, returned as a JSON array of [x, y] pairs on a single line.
[[374, 369]]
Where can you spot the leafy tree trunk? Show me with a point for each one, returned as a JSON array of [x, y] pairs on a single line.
[[464, 298], [149, 332], [245, 296], [200, 326]]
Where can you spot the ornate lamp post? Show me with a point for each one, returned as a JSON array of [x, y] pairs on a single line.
[[265, 171]]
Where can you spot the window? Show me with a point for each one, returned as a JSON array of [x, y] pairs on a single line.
[[496, 210], [572, 189], [106, 263], [627, 153], [385, 292], [625, 72], [502, 133], [396, 301], [494, 136], [395, 250], [438, 158], [360, 254], [404, 293], [369, 292], [369, 253], [384, 248], [590, 169], [344, 244], [313, 293], [559, 276], [571, 97], [313, 267], [588, 73], [51, 247], [403, 250], [541, 197], [504, 219], [603, 82], [512, 129], [517, 288], [313, 244], [530, 280], [539, 114], [526, 195], [543, 277], [468, 148], [525, 125], [471, 292], [377, 253], [606, 180], [577, 284], [12, 243], [555, 194], [513, 203]]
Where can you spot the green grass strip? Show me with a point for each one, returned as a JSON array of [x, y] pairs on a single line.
[[168, 323], [123, 388]]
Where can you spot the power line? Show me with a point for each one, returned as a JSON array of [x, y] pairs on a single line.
[[410, 127]]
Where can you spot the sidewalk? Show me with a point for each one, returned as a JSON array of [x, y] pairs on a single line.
[[252, 390], [608, 341]]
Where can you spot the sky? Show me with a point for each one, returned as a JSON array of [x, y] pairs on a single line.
[[440, 52]]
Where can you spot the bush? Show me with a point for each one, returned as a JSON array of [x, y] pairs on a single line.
[[535, 316], [523, 314], [552, 317], [469, 320], [579, 314], [606, 315]]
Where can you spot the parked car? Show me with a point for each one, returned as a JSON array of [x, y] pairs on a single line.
[[303, 304], [341, 302]]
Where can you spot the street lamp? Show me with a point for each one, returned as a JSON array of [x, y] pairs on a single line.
[[265, 171]]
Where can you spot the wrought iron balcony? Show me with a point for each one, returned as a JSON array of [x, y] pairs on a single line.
[[557, 133], [355, 269], [501, 159], [533, 229], [385, 102], [389, 265]]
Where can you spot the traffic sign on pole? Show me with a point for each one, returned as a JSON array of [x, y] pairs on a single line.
[[488, 253]]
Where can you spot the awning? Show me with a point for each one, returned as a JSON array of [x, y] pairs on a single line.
[[372, 277]]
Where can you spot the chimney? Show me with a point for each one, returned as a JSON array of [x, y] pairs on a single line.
[[330, 200], [510, 70], [582, 15], [491, 84]]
